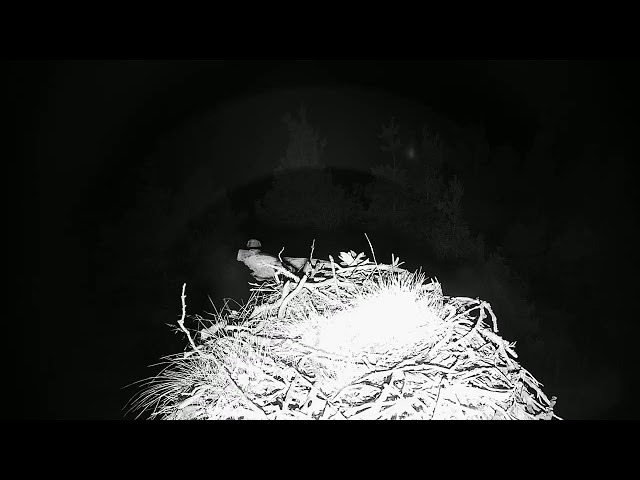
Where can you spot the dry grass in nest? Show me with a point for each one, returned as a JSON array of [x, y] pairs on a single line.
[[347, 340]]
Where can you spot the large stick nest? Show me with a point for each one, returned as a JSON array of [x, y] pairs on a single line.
[[347, 340]]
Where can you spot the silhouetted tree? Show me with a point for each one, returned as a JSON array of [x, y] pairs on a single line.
[[392, 145], [416, 198], [449, 234], [479, 148], [539, 168], [303, 193], [305, 145], [428, 182]]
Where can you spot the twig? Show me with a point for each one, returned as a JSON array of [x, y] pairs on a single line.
[[309, 269], [181, 321], [327, 281], [322, 295], [493, 317], [472, 331], [371, 247], [285, 291], [286, 300], [433, 414], [313, 390], [335, 280], [211, 357], [221, 366], [285, 272]]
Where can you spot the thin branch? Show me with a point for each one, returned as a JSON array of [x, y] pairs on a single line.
[[335, 280], [371, 247], [181, 321], [286, 300]]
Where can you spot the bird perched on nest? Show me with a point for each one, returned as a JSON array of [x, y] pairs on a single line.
[[262, 265]]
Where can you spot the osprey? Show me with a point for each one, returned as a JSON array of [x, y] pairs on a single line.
[[261, 264]]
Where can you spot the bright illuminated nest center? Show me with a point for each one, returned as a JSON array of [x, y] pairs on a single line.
[[392, 316]]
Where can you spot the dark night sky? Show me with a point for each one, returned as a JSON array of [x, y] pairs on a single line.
[[89, 127]]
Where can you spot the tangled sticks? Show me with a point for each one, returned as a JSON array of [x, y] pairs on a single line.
[[358, 340]]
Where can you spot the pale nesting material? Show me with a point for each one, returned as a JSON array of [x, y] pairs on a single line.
[[389, 316]]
